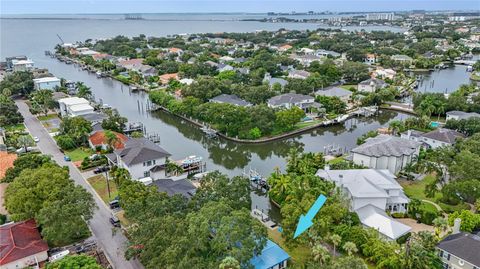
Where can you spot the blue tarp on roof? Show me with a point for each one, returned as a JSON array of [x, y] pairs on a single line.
[[271, 255]]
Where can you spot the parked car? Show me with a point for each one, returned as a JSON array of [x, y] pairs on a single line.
[[102, 169], [114, 204], [36, 139], [66, 158], [115, 221]]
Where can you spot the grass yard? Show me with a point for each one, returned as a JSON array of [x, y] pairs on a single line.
[[304, 124], [349, 86], [15, 128], [299, 254], [78, 154], [416, 189], [48, 117], [99, 183]]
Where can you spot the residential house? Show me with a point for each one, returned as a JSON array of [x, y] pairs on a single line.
[[186, 81], [371, 85], [224, 59], [402, 58], [334, 91], [307, 59], [102, 56], [284, 48], [74, 106], [301, 74], [384, 73], [230, 99], [271, 257], [413, 135], [9, 60], [142, 158], [86, 51], [99, 139], [47, 83], [306, 51], [386, 152], [175, 51], [172, 187], [130, 64], [22, 65], [165, 78], [326, 53], [272, 81], [370, 58], [460, 251], [372, 192], [441, 137], [22, 245], [243, 70], [224, 67], [289, 100], [461, 115]]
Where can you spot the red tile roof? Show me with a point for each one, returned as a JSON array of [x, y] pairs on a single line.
[[6, 161], [20, 240], [99, 138]]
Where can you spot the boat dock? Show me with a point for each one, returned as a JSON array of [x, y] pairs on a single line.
[[257, 181], [263, 218], [193, 164]]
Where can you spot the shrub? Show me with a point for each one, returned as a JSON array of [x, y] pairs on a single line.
[[65, 142]]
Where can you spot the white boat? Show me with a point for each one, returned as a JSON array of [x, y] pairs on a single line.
[[99, 74], [192, 159], [469, 68]]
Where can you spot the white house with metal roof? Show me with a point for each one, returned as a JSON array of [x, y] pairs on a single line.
[[386, 152], [372, 192], [74, 106], [48, 83]]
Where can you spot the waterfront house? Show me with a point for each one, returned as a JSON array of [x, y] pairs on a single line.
[[413, 135], [384, 73], [102, 56], [271, 257], [22, 65], [460, 251], [289, 100], [9, 60], [230, 99], [386, 152], [334, 91], [22, 245], [401, 58], [371, 85], [129, 64], [99, 139], [74, 106], [142, 158], [460, 115], [441, 137], [165, 78], [301, 74], [372, 192], [172, 187], [47, 83]]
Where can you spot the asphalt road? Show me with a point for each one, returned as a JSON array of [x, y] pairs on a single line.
[[112, 243]]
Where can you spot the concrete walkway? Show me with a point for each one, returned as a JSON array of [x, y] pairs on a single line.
[[432, 203], [113, 244]]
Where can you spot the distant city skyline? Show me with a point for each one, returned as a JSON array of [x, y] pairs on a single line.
[[226, 6]]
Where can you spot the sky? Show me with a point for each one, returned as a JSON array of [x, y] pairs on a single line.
[[225, 6]]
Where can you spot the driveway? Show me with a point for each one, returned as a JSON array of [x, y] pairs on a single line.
[[112, 243]]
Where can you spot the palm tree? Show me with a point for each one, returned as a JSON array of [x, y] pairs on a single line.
[[83, 90], [229, 263], [112, 139], [119, 175], [350, 248], [335, 239], [440, 225], [441, 106], [320, 254], [395, 126], [174, 168]]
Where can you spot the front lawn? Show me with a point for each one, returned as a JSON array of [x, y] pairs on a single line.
[[78, 154], [48, 117], [99, 183]]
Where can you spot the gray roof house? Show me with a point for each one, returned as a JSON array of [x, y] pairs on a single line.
[[372, 192], [441, 137], [301, 74], [183, 187], [460, 250], [272, 81], [230, 99], [334, 91], [289, 100], [140, 156], [386, 152], [371, 85], [461, 115]]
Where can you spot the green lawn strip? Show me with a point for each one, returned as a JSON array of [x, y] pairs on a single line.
[[336, 160], [416, 189], [304, 124], [48, 117], [99, 183], [78, 154], [299, 255], [349, 86]]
